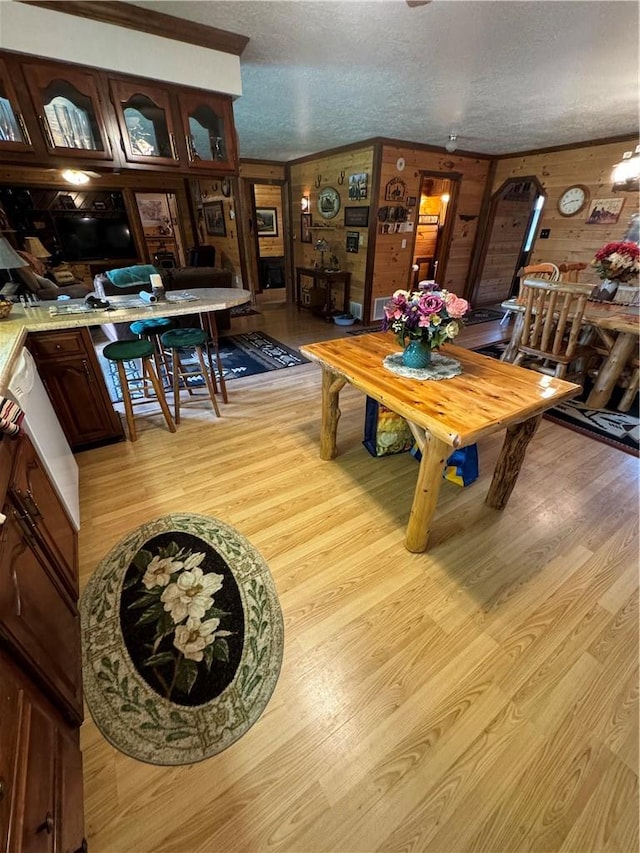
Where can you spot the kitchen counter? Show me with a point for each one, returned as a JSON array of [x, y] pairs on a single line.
[[21, 321]]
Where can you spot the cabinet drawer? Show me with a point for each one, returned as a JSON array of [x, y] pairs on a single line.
[[55, 344]]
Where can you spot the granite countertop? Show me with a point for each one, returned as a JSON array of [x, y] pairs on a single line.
[[21, 321]]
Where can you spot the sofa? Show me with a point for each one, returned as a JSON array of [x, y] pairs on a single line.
[[31, 279], [131, 280]]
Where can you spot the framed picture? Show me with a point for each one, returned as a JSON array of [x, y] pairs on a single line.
[[428, 219], [267, 221], [214, 218], [604, 211], [358, 186], [353, 241], [305, 228], [356, 217], [412, 200]]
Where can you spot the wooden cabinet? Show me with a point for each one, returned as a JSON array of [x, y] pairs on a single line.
[[14, 136], [70, 110], [70, 372], [96, 117], [207, 124], [40, 675], [146, 123]]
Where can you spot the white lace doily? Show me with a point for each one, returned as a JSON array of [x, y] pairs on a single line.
[[441, 367]]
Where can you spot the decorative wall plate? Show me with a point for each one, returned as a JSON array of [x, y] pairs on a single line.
[[328, 202]]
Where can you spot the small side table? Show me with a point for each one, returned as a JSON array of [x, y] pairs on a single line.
[[325, 280]]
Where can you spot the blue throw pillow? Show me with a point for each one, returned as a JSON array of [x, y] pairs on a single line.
[[128, 276]]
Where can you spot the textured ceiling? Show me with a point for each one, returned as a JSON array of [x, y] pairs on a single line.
[[505, 76]]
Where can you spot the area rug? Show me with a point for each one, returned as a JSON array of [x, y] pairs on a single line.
[[182, 639], [242, 310], [244, 354], [608, 425]]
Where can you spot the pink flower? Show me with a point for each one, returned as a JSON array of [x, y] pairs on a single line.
[[457, 307], [430, 304]]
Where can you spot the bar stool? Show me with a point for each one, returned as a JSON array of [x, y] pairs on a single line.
[[151, 328], [177, 339], [122, 351]]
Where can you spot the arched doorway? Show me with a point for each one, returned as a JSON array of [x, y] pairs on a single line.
[[513, 217]]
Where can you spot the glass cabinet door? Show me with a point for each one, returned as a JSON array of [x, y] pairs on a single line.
[[207, 123], [69, 110], [146, 125], [14, 135]]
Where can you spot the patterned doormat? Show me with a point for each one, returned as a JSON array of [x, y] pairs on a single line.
[[241, 355], [608, 425], [182, 639]]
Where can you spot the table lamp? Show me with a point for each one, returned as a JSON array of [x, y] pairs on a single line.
[[9, 259], [321, 246], [34, 247]]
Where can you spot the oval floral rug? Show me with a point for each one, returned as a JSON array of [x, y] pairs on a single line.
[[182, 639]]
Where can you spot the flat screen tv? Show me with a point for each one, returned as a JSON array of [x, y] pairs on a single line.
[[88, 238]]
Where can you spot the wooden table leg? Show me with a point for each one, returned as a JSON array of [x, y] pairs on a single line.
[[510, 461], [434, 456], [332, 384], [610, 371]]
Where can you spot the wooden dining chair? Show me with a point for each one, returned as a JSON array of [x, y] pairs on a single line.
[[544, 271], [570, 271], [549, 335]]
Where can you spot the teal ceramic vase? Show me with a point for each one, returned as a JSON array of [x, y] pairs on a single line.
[[416, 354]]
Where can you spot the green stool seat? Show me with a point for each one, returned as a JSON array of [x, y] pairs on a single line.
[[153, 326], [127, 350], [142, 349], [180, 339], [177, 338]]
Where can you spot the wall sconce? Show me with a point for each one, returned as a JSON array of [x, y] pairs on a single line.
[[305, 203], [452, 143], [626, 173]]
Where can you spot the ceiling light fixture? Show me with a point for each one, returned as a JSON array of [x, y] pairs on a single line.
[[75, 176], [626, 173], [452, 142]]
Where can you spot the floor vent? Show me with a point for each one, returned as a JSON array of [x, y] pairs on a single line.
[[378, 307], [355, 309]]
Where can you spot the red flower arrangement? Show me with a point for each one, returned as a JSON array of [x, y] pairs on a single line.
[[617, 261]]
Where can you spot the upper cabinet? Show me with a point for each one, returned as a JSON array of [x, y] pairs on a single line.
[[146, 123], [207, 124], [14, 135], [69, 108], [95, 117]]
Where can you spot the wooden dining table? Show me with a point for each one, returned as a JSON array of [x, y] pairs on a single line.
[[488, 396], [615, 328]]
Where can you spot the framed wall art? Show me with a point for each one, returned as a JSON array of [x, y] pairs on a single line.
[[428, 219], [305, 228], [213, 212], [267, 221], [353, 241], [358, 187], [356, 217], [604, 211], [395, 190]]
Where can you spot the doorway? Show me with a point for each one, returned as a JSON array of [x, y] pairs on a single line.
[[159, 218], [432, 228], [511, 225], [266, 250]]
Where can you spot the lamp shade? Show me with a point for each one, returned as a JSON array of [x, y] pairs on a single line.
[[9, 259], [34, 247]]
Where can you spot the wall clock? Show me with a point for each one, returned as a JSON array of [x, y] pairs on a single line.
[[328, 202], [573, 200]]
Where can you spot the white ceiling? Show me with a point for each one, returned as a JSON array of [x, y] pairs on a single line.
[[504, 75]]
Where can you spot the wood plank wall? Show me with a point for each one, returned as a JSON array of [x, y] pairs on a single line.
[[268, 195], [392, 262], [328, 170], [571, 239], [227, 247]]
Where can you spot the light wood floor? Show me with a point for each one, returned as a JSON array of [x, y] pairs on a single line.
[[480, 697]]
